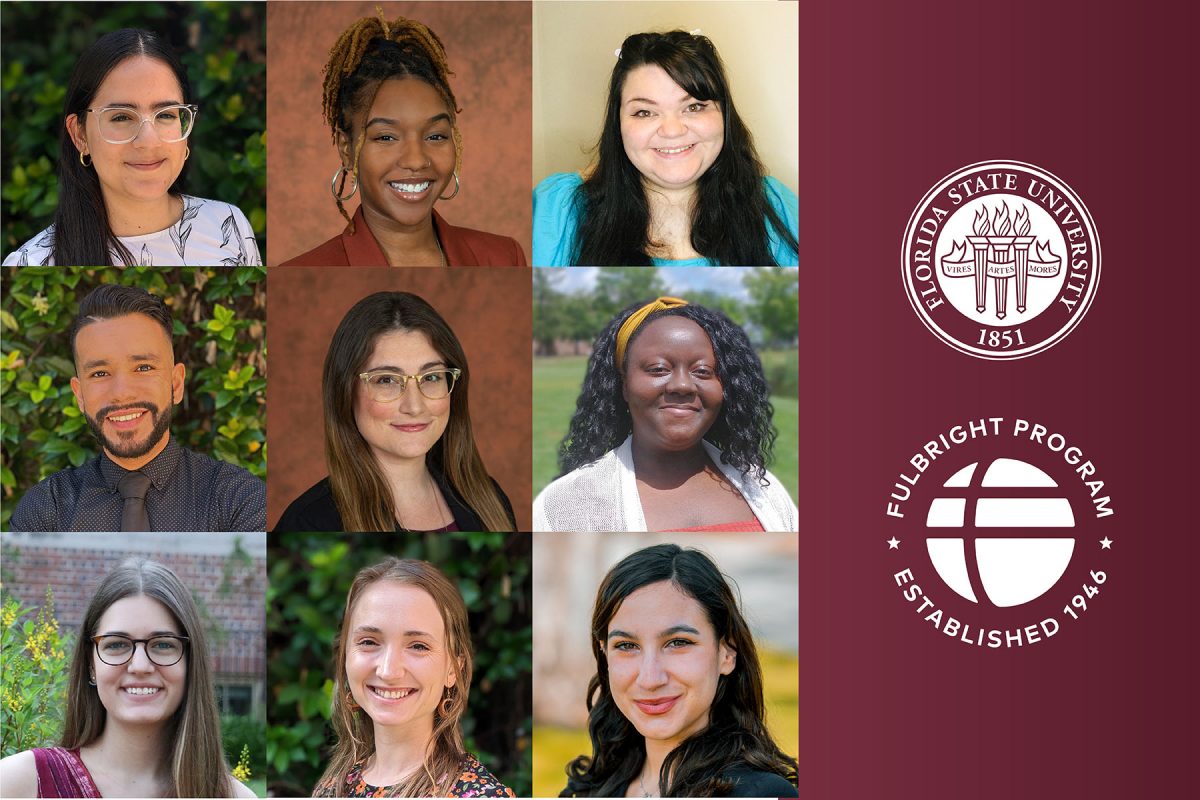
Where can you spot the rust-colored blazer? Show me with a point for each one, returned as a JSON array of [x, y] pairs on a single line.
[[464, 247]]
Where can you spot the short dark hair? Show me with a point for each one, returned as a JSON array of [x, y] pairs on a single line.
[[111, 301]]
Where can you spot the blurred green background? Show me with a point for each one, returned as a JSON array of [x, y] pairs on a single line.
[[571, 307], [310, 575], [220, 336], [223, 49]]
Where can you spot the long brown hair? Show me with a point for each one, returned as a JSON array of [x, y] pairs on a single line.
[[354, 729], [360, 491], [198, 767]]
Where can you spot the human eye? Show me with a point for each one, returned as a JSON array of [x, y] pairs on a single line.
[[438, 137], [164, 645], [642, 113], [167, 115], [625, 647], [433, 377], [115, 645], [678, 643], [420, 647], [384, 379], [696, 108], [704, 371], [119, 116], [366, 642], [144, 368]]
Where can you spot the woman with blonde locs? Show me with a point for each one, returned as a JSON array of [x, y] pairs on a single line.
[[388, 102], [402, 675]]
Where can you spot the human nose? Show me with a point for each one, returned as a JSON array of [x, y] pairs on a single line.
[[411, 399], [391, 665], [651, 674], [140, 660], [671, 125], [413, 156], [680, 381], [142, 138]]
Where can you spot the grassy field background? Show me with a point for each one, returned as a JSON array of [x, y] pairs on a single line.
[[556, 383], [553, 747]]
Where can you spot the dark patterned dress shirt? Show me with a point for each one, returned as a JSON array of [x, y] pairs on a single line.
[[189, 492]]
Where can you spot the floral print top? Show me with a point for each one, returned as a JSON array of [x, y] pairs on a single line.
[[473, 780]]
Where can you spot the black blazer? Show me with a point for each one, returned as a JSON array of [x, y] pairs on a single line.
[[315, 510]]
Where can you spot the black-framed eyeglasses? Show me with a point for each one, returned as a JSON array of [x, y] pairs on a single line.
[[115, 649], [121, 124], [384, 387]]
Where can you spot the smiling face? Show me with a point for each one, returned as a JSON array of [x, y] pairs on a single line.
[[139, 691], [671, 137], [407, 157], [671, 384], [398, 661], [664, 662], [145, 168], [406, 428], [127, 383]]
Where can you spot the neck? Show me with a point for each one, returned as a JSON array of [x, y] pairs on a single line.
[[399, 751], [657, 751], [405, 245], [141, 461], [134, 217], [668, 468], [139, 750], [663, 200]]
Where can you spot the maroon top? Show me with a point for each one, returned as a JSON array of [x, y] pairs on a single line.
[[463, 247], [61, 773]]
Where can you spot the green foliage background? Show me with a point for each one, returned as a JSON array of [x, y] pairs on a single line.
[[223, 49], [220, 335], [310, 574]]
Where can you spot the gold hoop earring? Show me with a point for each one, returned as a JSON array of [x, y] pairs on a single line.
[[187, 152], [457, 186], [82, 155], [333, 184]]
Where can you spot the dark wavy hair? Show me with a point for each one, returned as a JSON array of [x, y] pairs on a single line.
[[82, 236], [736, 735], [743, 431], [731, 216]]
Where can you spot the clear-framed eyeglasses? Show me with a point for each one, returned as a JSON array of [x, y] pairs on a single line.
[[384, 387], [115, 649], [121, 124]]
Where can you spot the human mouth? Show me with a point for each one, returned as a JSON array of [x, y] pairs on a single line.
[[677, 410], [412, 191], [656, 706], [391, 694], [671, 152], [411, 428], [126, 419], [146, 166], [141, 691]]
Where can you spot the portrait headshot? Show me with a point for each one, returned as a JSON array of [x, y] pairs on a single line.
[[665, 667], [684, 394], [405, 403], [642, 157], [144, 660], [142, 138], [400, 133], [407, 671], [133, 399]]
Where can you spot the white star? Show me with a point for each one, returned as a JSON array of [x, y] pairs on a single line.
[[1106, 543], [893, 543]]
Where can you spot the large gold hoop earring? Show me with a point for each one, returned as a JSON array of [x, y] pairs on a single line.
[[187, 152], [457, 186], [333, 184], [87, 163]]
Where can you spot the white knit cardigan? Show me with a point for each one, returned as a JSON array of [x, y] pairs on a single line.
[[602, 497]]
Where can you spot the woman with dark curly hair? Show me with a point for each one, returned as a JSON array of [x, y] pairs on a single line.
[[675, 708], [672, 431], [676, 180]]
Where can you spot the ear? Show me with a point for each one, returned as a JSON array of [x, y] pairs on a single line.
[[452, 675], [178, 374], [727, 657], [77, 390], [77, 133], [345, 150]]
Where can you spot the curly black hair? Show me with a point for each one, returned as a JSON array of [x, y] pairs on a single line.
[[743, 432]]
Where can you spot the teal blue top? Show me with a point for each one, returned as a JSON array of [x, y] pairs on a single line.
[[556, 220]]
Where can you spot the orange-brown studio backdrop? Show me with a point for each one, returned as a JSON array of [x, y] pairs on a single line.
[[488, 309], [489, 49]]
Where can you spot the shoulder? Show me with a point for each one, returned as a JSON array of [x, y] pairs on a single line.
[[312, 511], [559, 187], [330, 254], [37, 252], [555, 219], [18, 774], [475, 248], [37, 510], [240, 495], [749, 782], [783, 200], [226, 475], [573, 501], [475, 780], [227, 226]]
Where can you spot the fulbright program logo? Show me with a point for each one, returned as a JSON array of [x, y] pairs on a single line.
[[1001, 259], [1005, 549]]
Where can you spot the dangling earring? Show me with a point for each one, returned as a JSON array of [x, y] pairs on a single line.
[[351, 704], [187, 151], [333, 184], [457, 186], [83, 155], [91, 680]]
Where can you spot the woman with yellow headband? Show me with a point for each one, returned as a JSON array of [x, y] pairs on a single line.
[[672, 431], [388, 102]]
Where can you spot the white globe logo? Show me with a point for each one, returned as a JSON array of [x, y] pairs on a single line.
[[1007, 570]]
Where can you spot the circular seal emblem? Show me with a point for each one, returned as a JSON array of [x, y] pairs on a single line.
[[1001, 259]]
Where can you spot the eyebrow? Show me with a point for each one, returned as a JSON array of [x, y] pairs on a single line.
[[668, 632], [159, 104], [104, 362], [687, 98], [386, 121], [129, 636], [424, 367], [373, 629]]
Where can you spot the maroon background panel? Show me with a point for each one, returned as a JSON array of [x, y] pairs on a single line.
[[489, 49], [488, 310], [895, 96]]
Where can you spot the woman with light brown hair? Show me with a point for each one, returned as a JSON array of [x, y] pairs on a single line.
[[140, 721], [402, 675], [398, 439]]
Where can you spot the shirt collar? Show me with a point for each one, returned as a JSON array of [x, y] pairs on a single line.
[[362, 249], [159, 470]]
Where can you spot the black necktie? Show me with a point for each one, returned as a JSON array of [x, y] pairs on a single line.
[[133, 488]]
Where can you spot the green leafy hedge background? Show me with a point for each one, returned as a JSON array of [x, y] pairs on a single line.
[[220, 335], [223, 49], [309, 576]]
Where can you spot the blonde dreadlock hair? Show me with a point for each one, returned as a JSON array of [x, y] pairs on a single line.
[[366, 54]]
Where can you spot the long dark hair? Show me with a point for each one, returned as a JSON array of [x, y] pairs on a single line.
[[736, 734], [743, 432], [731, 217], [362, 495], [82, 236]]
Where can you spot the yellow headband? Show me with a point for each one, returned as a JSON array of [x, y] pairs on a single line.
[[637, 318]]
